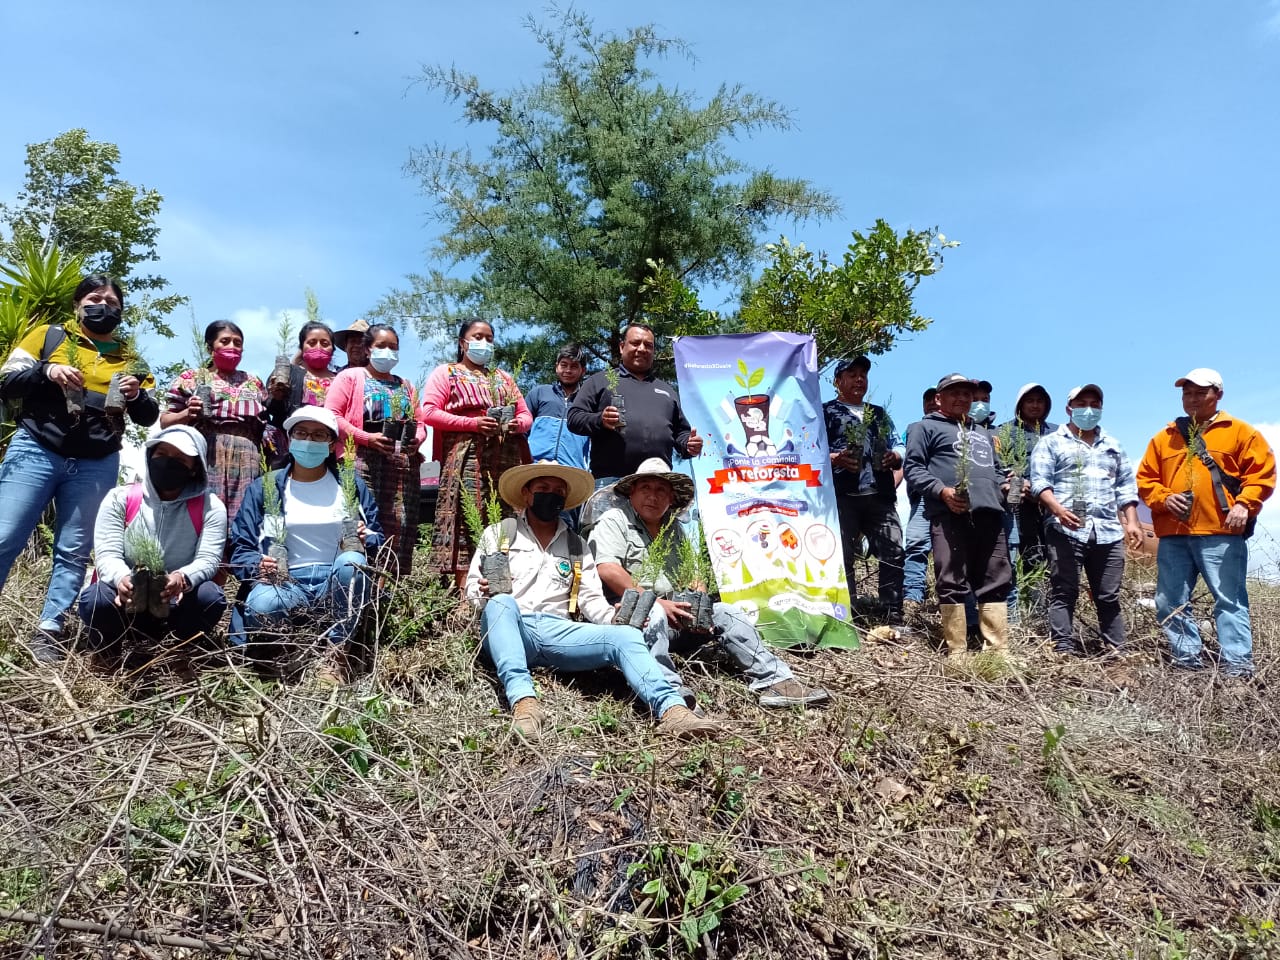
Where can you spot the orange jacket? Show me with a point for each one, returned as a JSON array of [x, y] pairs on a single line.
[[1240, 450]]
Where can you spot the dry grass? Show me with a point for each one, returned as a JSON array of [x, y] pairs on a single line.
[[1048, 810]]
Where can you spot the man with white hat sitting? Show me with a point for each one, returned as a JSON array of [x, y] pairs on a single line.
[[553, 580], [621, 539]]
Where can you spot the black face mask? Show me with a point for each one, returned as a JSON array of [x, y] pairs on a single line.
[[547, 506], [166, 473], [100, 317]]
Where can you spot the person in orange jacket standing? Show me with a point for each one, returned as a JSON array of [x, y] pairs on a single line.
[[1205, 476]]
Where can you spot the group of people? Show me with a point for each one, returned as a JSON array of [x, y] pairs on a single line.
[[1033, 493], [305, 486]]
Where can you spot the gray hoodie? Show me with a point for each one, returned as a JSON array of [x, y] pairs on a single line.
[[169, 521]]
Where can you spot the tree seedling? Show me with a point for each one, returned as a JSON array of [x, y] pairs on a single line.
[[616, 400], [146, 556], [351, 542], [274, 528]]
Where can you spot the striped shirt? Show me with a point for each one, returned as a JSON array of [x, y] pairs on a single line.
[[1099, 473]]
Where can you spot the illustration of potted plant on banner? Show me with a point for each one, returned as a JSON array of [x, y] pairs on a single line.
[[753, 411]]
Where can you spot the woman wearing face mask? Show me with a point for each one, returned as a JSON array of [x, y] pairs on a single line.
[[363, 399], [173, 504], [233, 426], [322, 585], [473, 448], [309, 380], [70, 459]]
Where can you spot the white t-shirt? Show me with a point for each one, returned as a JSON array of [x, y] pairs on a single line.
[[313, 516]]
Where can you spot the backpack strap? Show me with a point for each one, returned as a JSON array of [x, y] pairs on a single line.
[[577, 550], [53, 338], [508, 534], [133, 503]]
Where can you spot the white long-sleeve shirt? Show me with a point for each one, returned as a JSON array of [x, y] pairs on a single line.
[[540, 578]]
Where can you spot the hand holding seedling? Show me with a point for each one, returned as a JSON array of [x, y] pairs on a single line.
[[610, 418], [488, 426], [175, 586], [1179, 506], [678, 614], [130, 386], [64, 375], [956, 502]]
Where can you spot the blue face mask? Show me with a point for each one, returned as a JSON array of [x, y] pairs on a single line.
[[383, 359], [479, 351], [308, 453], [1086, 418], [979, 410]]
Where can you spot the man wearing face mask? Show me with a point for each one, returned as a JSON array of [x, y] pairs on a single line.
[[1205, 477], [554, 580], [66, 449], [173, 505], [1084, 481]]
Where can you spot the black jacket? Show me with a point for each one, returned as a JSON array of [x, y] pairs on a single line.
[[655, 424]]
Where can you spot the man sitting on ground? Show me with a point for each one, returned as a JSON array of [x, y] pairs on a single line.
[[620, 540], [554, 578]]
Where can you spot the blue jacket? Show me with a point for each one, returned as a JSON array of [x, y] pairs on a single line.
[[550, 437], [248, 542]]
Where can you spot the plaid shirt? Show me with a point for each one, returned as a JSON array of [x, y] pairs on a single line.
[[1061, 460]]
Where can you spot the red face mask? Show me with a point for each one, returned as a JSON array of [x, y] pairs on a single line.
[[227, 359], [317, 357]]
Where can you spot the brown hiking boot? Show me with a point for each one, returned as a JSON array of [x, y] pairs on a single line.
[[791, 693], [683, 724], [331, 671], [528, 718]]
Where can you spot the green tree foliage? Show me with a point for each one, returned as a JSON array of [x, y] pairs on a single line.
[[861, 304], [597, 176], [35, 289], [73, 197]]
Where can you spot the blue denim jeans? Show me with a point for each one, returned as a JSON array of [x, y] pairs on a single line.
[[31, 478], [1222, 560], [516, 641], [739, 641], [916, 558], [339, 591]]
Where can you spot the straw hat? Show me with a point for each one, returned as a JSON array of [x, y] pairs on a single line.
[[656, 467], [342, 336], [512, 482]]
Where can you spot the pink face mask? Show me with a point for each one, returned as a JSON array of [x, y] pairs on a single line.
[[227, 359], [317, 357]]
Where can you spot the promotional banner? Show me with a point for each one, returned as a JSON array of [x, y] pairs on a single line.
[[764, 483]]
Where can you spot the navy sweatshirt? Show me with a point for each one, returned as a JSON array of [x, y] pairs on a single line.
[[933, 446], [655, 424]]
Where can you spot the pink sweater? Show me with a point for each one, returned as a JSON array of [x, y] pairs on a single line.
[[435, 399], [346, 399]]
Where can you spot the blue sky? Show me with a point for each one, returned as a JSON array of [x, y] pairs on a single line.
[[1108, 168]]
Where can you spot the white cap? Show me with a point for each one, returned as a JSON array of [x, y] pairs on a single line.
[[1076, 391], [315, 414], [1201, 377]]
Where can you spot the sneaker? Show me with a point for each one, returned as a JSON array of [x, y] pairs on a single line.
[[791, 693], [46, 646], [528, 718], [683, 724]]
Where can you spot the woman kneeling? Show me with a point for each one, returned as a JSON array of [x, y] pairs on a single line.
[[157, 544], [299, 542]]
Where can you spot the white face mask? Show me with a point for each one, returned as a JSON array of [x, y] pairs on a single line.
[[383, 358], [480, 351]]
